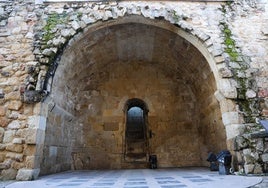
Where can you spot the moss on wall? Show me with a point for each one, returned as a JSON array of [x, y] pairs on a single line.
[[52, 22], [239, 70]]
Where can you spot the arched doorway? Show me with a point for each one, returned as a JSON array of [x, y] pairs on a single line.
[[136, 143], [132, 58]]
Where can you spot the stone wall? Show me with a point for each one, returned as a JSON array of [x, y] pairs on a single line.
[[17, 124], [250, 34], [115, 73], [231, 38]]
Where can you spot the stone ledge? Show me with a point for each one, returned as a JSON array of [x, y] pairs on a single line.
[[27, 174]]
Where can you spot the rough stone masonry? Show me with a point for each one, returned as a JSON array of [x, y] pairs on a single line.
[[69, 69]]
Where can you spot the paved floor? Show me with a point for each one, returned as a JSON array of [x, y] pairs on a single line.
[[140, 178]]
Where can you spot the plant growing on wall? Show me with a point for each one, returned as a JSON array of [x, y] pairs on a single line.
[[247, 106]]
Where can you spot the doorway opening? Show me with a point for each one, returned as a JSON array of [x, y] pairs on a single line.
[[136, 143]]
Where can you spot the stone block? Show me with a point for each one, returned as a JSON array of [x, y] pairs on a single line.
[[227, 89], [9, 136], [260, 145], [234, 130], [31, 162], [2, 110], [29, 150], [219, 96], [2, 147], [14, 125], [225, 72], [257, 169], [15, 156], [264, 157], [4, 121], [2, 132], [14, 105], [18, 165], [239, 157], [219, 59], [247, 151], [2, 157], [6, 164], [249, 168], [18, 141], [15, 95], [240, 143], [263, 93], [250, 94], [231, 145], [229, 118], [9, 174], [32, 96], [34, 136], [37, 122], [18, 148], [27, 174]]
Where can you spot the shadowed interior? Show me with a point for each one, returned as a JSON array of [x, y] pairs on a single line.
[[106, 67]]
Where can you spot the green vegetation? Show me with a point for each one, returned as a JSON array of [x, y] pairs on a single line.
[[52, 21], [238, 71], [175, 16]]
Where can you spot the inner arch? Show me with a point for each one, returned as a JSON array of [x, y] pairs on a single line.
[[115, 61]]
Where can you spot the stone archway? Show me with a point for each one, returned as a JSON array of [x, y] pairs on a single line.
[[132, 57]]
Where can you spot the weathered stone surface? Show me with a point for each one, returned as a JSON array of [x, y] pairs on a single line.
[[250, 94], [18, 148], [234, 130], [240, 143], [15, 95], [8, 174], [2, 147], [2, 157], [14, 125], [15, 156], [263, 92], [34, 136], [260, 145], [231, 118], [227, 89], [37, 122], [8, 136], [225, 73], [4, 121], [258, 169], [2, 110], [27, 174], [32, 96], [178, 87], [2, 132], [31, 162], [249, 168], [14, 105], [264, 157], [6, 164], [18, 141]]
